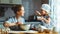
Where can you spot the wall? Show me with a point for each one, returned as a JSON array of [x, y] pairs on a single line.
[[31, 6], [8, 13]]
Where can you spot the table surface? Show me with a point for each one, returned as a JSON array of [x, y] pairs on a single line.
[[29, 32]]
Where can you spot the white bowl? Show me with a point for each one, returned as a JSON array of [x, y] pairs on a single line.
[[25, 26]]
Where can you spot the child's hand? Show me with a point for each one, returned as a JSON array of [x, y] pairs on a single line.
[[38, 12], [40, 18]]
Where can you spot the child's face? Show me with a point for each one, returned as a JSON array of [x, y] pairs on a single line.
[[21, 12], [43, 12]]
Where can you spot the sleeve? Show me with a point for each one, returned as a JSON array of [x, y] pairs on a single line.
[[9, 20]]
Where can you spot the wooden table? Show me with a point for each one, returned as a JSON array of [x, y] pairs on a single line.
[[23, 32], [48, 33], [28, 32]]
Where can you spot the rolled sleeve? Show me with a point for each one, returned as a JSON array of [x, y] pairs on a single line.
[[9, 21]]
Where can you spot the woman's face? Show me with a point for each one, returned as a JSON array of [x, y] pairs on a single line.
[[21, 12], [43, 12]]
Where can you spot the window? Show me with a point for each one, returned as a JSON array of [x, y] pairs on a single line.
[[55, 13]]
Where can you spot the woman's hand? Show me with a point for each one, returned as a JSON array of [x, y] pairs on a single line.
[[6, 24]]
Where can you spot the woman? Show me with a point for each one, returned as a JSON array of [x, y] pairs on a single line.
[[17, 19], [43, 15]]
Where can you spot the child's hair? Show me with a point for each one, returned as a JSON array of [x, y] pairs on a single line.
[[47, 14], [16, 8]]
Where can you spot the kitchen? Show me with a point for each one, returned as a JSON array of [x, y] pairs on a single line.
[[30, 7]]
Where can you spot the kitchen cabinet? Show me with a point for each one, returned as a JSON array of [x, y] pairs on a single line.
[[10, 1]]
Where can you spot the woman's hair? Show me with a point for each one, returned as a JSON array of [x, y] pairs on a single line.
[[16, 8]]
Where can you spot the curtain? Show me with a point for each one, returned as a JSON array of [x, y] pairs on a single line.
[[55, 13]]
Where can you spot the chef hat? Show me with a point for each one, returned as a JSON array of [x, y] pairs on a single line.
[[45, 7]]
